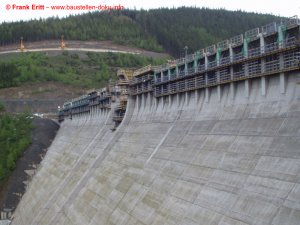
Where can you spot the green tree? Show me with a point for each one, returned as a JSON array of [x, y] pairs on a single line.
[[8, 74], [2, 108]]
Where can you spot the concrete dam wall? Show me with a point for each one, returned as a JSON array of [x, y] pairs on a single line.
[[197, 157], [209, 139]]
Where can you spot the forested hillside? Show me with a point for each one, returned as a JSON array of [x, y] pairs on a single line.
[[158, 29], [15, 136], [194, 27], [91, 26], [84, 70]]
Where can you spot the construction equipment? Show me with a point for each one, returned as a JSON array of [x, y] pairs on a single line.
[[62, 43], [22, 47]]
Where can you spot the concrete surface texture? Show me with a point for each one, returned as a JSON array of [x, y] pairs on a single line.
[[189, 159]]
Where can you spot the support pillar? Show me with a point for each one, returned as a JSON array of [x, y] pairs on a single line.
[[232, 90], [205, 62], [232, 87], [186, 67], [282, 77], [262, 43], [186, 98], [219, 86], [196, 97], [263, 69], [230, 53], [247, 89], [143, 100], [206, 94], [282, 83], [219, 92], [263, 86], [138, 102], [149, 100]]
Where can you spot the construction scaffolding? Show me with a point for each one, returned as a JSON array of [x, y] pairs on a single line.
[[142, 80], [263, 51], [270, 49], [100, 99], [124, 78]]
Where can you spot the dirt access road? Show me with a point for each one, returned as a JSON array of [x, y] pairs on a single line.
[[93, 46]]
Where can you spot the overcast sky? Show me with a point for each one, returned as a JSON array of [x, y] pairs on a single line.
[[287, 8]]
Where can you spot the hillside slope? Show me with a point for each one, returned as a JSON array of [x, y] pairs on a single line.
[[84, 70], [43, 133], [157, 29]]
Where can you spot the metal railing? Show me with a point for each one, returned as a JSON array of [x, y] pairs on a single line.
[[122, 82], [252, 34], [269, 28], [272, 66], [290, 41], [271, 47], [191, 71], [172, 88], [189, 79], [236, 40], [181, 85], [180, 61], [173, 76], [200, 53], [291, 59], [93, 103], [165, 78], [212, 64], [212, 79], [190, 84], [291, 22], [201, 68], [223, 45], [254, 67], [254, 51], [80, 103], [104, 97], [239, 73], [140, 79], [210, 49], [224, 75], [126, 72], [224, 60], [200, 81], [238, 56], [181, 73], [142, 70], [190, 57]]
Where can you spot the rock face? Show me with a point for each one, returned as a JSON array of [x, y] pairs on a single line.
[[185, 160], [43, 133], [33, 106]]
